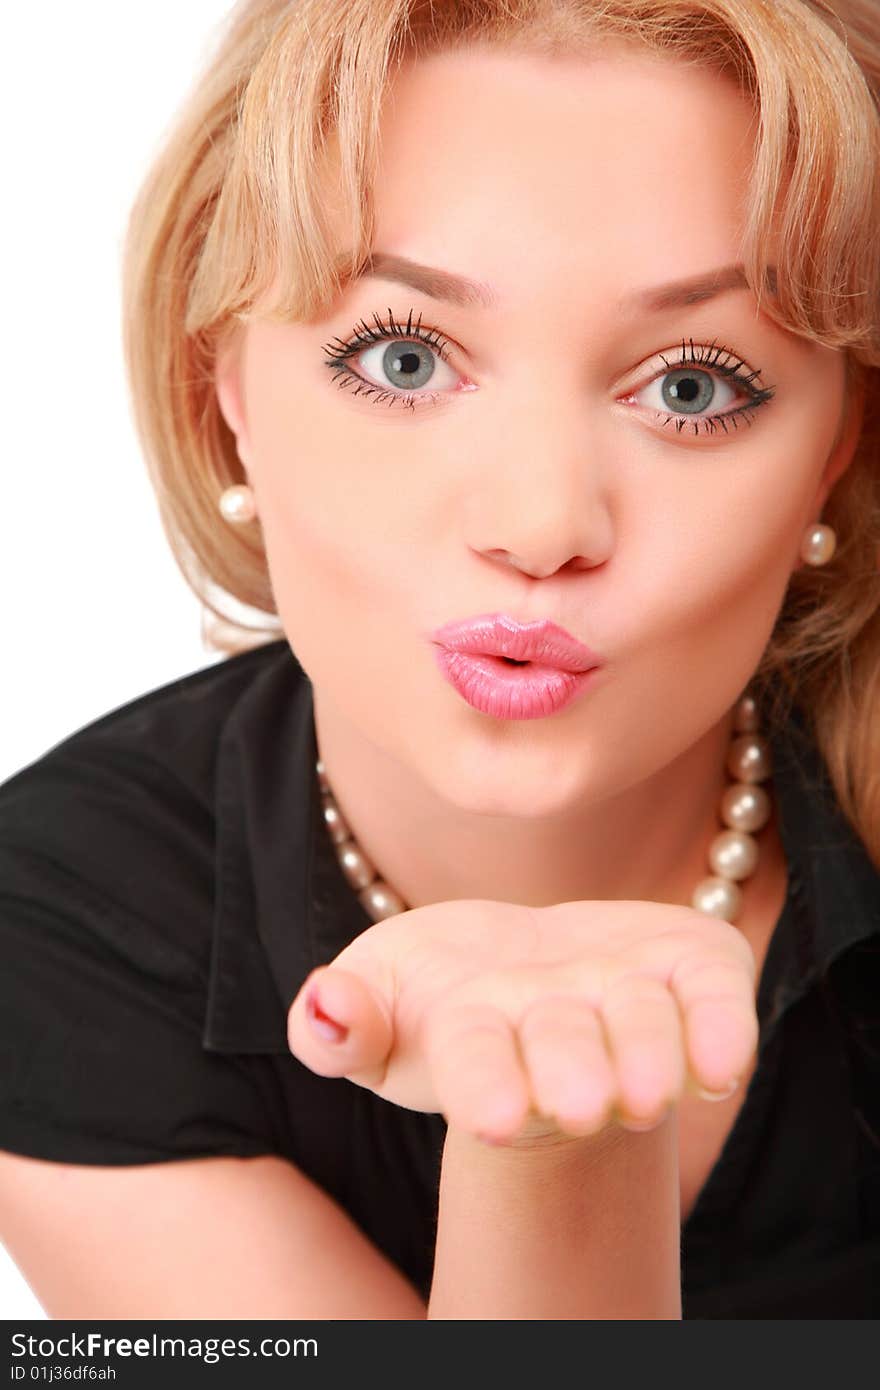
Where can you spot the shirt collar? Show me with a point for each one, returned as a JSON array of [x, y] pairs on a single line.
[[283, 905], [836, 883]]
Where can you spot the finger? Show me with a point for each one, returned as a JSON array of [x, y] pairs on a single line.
[[476, 1071], [339, 1026], [566, 1059], [646, 1041], [717, 1003]]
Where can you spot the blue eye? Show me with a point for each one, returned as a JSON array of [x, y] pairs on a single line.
[[407, 360], [701, 376], [687, 388]]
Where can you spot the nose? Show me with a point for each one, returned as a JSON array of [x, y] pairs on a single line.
[[542, 509], [534, 570]]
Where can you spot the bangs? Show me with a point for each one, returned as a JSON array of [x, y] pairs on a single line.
[[293, 222]]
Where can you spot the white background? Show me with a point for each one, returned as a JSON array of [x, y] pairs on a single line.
[[95, 611]]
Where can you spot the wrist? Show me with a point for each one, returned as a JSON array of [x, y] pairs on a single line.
[[538, 1135]]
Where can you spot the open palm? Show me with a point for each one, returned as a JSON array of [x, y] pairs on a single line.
[[576, 1014]]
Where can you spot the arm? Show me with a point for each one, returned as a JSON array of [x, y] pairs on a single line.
[[589, 1229], [201, 1238]]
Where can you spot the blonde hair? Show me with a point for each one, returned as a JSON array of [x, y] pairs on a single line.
[[233, 206]]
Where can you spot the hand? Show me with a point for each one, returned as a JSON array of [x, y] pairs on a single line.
[[553, 1021]]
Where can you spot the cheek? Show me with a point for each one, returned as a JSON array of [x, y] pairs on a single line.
[[708, 583], [726, 547], [318, 577], [316, 472], [742, 587], [695, 641], [339, 538], [331, 566]]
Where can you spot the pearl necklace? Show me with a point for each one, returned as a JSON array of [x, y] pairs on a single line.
[[733, 854]]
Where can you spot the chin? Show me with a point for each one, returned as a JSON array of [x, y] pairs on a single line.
[[505, 783]]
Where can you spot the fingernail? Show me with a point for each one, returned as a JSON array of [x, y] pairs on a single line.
[[321, 1022], [720, 1095]]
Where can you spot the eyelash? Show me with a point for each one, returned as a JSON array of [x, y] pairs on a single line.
[[719, 359]]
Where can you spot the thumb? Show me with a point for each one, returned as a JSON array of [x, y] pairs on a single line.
[[339, 1025]]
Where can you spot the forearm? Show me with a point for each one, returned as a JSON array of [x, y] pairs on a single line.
[[587, 1230]]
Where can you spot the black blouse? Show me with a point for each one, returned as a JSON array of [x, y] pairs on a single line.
[[166, 884]]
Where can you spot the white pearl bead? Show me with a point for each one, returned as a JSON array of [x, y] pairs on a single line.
[[745, 716], [381, 901], [359, 868], [745, 806], [237, 503], [748, 758], [335, 821], [733, 854], [322, 776], [719, 897], [818, 545]]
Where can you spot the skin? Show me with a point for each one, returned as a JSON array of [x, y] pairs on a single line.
[[542, 483], [546, 489], [487, 1010]]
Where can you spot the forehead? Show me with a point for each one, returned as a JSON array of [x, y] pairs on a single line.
[[624, 164]]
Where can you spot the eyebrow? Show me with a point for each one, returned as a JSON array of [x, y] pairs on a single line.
[[459, 290]]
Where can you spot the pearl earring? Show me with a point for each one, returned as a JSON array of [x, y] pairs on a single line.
[[819, 544], [237, 503]]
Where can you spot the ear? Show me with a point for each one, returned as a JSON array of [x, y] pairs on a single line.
[[230, 396], [848, 437]]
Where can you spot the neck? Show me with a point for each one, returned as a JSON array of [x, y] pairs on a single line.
[[528, 845]]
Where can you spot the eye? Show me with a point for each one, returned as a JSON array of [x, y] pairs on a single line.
[[397, 362], [703, 379]]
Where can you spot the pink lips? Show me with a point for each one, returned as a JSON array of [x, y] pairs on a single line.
[[470, 656]]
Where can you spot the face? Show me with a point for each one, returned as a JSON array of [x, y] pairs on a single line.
[[554, 455]]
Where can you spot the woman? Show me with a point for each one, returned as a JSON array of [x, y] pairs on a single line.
[[383, 971]]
